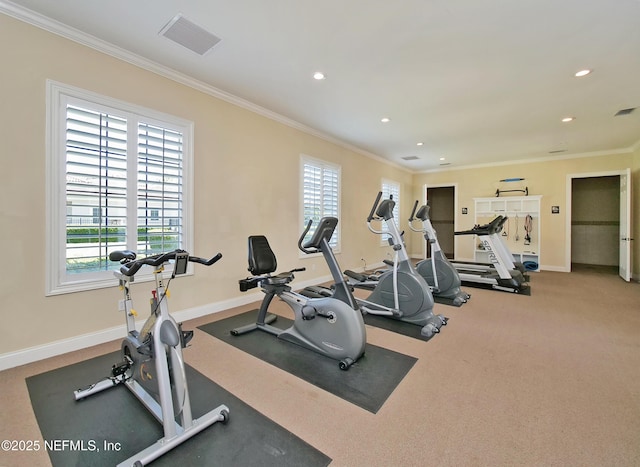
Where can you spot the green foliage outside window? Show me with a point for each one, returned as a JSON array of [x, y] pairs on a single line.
[[150, 241]]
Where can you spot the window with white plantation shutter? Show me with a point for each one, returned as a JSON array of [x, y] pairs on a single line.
[[391, 189], [118, 179], [96, 189], [320, 195], [159, 189]]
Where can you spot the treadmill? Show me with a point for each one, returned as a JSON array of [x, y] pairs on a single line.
[[501, 273]]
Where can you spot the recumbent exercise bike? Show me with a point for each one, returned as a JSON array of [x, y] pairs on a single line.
[[331, 326]]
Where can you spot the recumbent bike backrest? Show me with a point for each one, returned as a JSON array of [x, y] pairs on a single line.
[[262, 259]]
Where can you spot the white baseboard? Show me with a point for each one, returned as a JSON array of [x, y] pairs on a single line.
[[51, 349], [554, 268]]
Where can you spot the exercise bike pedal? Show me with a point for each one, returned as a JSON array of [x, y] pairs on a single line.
[[121, 368]]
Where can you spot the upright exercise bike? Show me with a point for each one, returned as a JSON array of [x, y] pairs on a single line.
[[331, 326], [439, 273], [400, 293], [153, 367]]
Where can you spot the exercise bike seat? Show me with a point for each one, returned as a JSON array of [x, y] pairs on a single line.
[[262, 261], [120, 255]]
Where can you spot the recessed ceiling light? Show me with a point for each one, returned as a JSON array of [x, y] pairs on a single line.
[[442, 158], [319, 75], [419, 144], [568, 119], [385, 120], [582, 73]]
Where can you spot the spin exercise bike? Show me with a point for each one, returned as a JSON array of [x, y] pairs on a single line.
[[153, 367], [400, 293], [439, 273], [331, 326]]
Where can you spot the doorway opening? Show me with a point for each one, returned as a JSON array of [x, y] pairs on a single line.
[[595, 224], [442, 202], [602, 205]]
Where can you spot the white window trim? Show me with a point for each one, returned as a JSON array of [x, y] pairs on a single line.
[[305, 159], [57, 281], [389, 182]]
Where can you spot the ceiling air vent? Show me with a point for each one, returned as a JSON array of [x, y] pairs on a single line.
[[556, 151], [624, 112], [189, 35], [410, 158]]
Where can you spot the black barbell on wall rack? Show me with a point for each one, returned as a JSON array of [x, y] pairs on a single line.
[[525, 191]]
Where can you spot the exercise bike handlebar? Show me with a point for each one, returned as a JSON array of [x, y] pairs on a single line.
[[323, 233], [130, 268], [412, 218], [373, 208], [301, 239], [413, 211], [381, 211]]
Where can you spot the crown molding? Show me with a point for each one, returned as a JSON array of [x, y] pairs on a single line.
[[611, 152], [75, 35]]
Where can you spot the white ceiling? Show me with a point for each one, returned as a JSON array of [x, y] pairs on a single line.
[[477, 81]]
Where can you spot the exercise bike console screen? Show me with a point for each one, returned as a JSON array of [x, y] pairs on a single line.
[[180, 266]]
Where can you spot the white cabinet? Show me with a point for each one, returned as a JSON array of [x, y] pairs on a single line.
[[521, 232]]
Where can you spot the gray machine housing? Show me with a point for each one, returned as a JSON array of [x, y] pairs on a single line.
[[331, 326], [400, 293], [437, 270]]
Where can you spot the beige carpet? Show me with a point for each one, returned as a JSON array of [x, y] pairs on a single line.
[[547, 380]]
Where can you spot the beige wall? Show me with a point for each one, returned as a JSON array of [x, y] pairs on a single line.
[[549, 179], [246, 182], [635, 212]]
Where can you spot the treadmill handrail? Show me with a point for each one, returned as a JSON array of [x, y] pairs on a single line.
[[495, 226]]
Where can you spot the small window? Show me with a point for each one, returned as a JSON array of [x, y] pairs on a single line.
[[320, 195], [391, 189]]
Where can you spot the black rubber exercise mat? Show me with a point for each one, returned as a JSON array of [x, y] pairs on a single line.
[[524, 290], [367, 384], [81, 432]]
